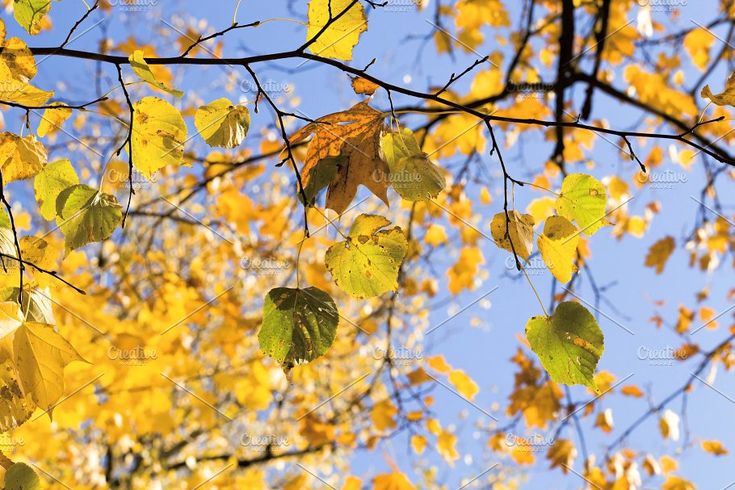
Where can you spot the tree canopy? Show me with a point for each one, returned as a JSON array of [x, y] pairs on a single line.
[[354, 244]]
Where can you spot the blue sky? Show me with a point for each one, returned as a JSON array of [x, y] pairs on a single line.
[[483, 352]]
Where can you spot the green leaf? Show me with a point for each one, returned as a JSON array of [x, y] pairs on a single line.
[[584, 200], [4, 218], [321, 175], [569, 343], [30, 13], [412, 174], [20, 476], [50, 182], [514, 232], [86, 215], [298, 324], [222, 124], [366, 264]]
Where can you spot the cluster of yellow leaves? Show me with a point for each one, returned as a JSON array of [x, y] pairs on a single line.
[[17, 68]]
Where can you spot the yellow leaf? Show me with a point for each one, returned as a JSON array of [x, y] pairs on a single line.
[[342, 35], [697, 44], [158, 138], [439, 364], [631, 390], [522, 451], [19, 59], [604, 420], [20, 157], [463, 273], [435, 235], [463, 383], [677, 483], [418, 443], [141, 68], [513, 232], [562, 454], [668, 424], [659, 253], [433, 426], [558, 247], [41, 355], [364, 86], [392, 481], [10, 317], [445, 445], [714, 447], [727, 97], [541, 208], [52, 119], [383, 415], [222, 124]]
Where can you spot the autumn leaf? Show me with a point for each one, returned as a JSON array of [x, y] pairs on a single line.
[[20, 157], [668, 425], [222, 124], [50, 182], [20, 476], [30, 14], [355, 135], [569, 344], [659, 253], [41, 355], [383, 415], [298, 324], [714, 447], [86, 215], [412, 175], [513, 232], [558, 247], [584, 200], [364, 86], [562, 455], [16, 406], [19, 92], [366, 264], [342, 35], [392, 481], [727, 97], [464, 385], [141, 68], [52, 119], [158, 135]]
